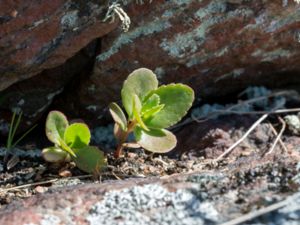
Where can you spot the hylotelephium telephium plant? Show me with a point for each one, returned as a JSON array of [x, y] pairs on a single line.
[[150, 109], [71, 143]]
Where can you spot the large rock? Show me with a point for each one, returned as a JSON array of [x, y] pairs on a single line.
[[217, 47], [44, 34], [43, 41]]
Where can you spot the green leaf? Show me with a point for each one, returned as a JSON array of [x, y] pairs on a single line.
[[55, 155], [177, 98], [137, 112], [155, 140], [118, 115], [77, 135], [152, 112], [65, 147], [140, 82], [56, 124], [150, 103], [89, 159]]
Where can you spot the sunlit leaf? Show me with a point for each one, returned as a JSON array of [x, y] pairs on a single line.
[[55, 155], [177, 100], [77, 135], [65, 147], [89, 159], [151, 102], [118, 115], [155, 140], [140, 82], [56, 124], [137, 112], [152, 112]]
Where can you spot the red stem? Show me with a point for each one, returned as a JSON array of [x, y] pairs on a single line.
[[130, 127]]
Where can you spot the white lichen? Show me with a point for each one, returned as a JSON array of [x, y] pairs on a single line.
[[114, 10], [152, 204]]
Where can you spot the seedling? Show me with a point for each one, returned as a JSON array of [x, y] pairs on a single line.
[[150, 109], [71, 143], [13, 127], [11, 143]]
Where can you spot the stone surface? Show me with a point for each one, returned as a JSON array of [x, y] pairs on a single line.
[[217, 47], [44, 47], [43, 34], [198, 198]]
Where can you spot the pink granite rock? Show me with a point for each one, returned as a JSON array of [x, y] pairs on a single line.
[[217, 47]]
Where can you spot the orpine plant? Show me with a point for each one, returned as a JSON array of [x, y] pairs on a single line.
[[71, 143], [150, 109]]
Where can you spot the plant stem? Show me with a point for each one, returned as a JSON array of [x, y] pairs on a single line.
[[124, 136]]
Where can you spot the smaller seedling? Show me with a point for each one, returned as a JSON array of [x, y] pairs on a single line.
[[71, 143], [14, 124], [11, 144], [150, 109]]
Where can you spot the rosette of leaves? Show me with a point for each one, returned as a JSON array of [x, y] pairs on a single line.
[[71, 143], [150, 110]]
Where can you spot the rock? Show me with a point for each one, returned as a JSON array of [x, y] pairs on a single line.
[[44, 34], [217, 47], [44, 47], [198, 198]]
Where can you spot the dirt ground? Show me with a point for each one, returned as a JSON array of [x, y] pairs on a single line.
[[261, 170]]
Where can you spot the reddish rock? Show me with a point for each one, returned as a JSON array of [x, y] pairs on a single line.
[[44, 34], [42, 41], [217, 47]]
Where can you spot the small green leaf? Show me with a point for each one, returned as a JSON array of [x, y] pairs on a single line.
[[155, 140], [152, 112], [56, 124], [140, 82], [150, 103], [177, 98], [65, 147], [137, 112], [118, 115], [55, 155], [77, 135], [89, 159]]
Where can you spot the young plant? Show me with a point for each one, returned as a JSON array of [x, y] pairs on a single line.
[[71, 143], [150, 109], [11, 143]]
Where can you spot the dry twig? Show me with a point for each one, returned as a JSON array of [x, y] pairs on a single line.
[[43, 182], [255, 214], [278, 138], [229, 150]]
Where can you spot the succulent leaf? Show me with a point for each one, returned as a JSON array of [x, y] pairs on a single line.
[[177, 100], [77, 135], [56, 124], [140, 82], [137, 112], [65, 147], [89, 159], [118, 115], [55, 155], [150, 103], [155, 140], [152, 112]]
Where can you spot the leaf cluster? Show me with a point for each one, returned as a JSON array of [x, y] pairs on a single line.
[[71, 143], [150, 110]]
